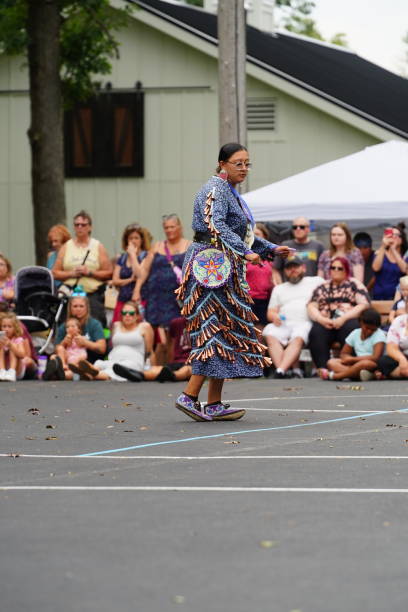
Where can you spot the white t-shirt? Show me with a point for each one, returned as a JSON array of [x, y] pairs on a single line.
[[291, 300]]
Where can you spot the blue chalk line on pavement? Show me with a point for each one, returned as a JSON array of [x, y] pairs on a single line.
[[244, 431]]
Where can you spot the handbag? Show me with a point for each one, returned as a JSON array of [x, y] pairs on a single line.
[[111, 297], [211, 268]]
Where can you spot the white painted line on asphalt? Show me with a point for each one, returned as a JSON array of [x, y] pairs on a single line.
[[204, 458], [306, 397], [176, 488], [333, 411]]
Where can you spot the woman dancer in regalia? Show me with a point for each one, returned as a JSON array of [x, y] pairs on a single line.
[[214, 291]]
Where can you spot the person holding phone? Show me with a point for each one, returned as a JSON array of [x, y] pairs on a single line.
[[389, 264]]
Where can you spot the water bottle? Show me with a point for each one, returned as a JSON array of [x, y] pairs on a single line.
[[42, 364]]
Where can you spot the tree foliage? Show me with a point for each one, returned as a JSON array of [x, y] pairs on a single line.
[[87, 43]]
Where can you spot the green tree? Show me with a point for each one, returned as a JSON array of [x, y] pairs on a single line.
[[66, 43]]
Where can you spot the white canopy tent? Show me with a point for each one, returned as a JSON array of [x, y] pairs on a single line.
[[371, 184]]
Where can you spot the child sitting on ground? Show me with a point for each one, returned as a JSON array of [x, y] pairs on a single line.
[[398, 308], [13, 348], [69, 351], [361, 351]]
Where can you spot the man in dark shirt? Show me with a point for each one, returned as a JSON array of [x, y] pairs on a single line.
[[307, 250]]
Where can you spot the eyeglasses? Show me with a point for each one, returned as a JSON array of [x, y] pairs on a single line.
[[80, 224], [128, 312], [337, 268], [240, 165], [294, 227]]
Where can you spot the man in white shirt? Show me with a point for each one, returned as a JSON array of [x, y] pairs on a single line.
[[289, 327]]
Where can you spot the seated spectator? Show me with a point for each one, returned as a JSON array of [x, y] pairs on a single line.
[[341, 245], [361, 351], [395, 363], [334, 309], [179, 351], [260, 279], [288, 331], [132, 340], [128, 267], [69, 352], [307, 250], [398, 308], [57, 236], [13, 348], [6, 281], [364, 244], [389, 264], [84, 261], [92, 338]]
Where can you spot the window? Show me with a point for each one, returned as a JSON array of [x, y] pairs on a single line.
[[104, 136], [261, 114]]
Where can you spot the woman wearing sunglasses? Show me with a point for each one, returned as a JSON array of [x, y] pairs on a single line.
[[214, 290], [132, 341], [334, 308]]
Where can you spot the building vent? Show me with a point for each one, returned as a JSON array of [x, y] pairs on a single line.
[[261, 114]]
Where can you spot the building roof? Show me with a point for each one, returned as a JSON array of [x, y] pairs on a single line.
[[337, 75]]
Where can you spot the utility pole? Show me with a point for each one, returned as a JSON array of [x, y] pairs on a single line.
[[231, 71]]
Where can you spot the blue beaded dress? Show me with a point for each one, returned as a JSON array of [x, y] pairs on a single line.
[[220, 321]]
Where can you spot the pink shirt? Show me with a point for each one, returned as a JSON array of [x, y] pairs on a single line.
[[259, 279]]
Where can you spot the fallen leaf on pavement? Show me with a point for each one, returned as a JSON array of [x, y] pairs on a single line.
[[268, 543], [232, 442], [52, 438], [120, 420], [50, 426]]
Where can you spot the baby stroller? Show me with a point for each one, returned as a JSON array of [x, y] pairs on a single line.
[[36, 305]]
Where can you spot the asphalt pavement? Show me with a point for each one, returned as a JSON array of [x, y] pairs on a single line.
[[112, 500]]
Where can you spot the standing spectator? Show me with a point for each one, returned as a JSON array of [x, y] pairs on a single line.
[[260, 279], [83, 260], [388, 263], [307, 250], [288, 331], [6, 281], [341, 245], [128, 268], [161, 270], [364, 244], [334, 309], [57, 236]]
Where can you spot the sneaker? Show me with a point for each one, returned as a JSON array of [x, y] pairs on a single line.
[[10, 375], [223, 412], [2, 373], [366, 375], [191, 408], [279, 374], [128, 373], [297, 373]]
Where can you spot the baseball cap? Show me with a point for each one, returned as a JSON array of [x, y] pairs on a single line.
[[293, 261]]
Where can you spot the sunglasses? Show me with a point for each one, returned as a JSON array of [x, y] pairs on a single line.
[[128, 312], [80, 224], [337, 268], [294, 227]]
